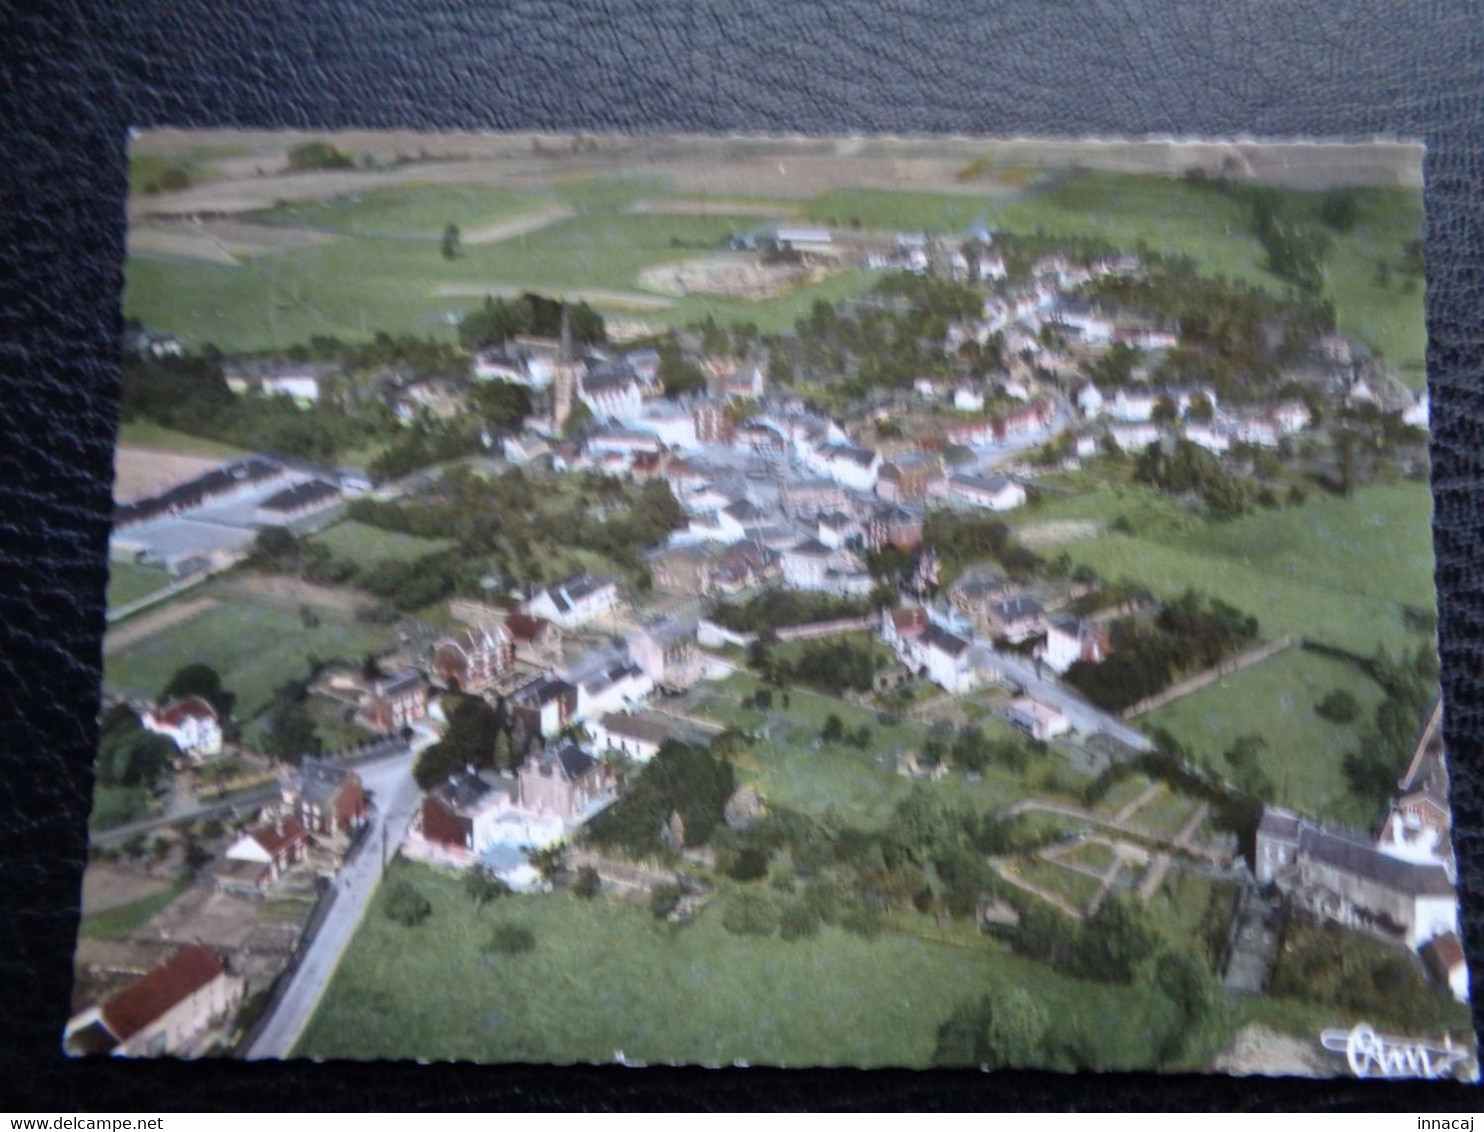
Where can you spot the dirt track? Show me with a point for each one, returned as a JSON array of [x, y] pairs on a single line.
[[290, 593], [518, 226], [148, 624], [634, 300], [219, 241]]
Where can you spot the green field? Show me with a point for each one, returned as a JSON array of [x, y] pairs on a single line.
[[861, 785], [255, 648], [1275, 699], [606, 978], [415, 211], [147, 434], [129, 581], [365, 545], [116, 923], [1338, 570]]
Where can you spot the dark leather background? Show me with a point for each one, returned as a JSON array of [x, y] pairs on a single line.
[[75, 75]]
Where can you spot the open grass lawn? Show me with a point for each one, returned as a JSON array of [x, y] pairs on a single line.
[[116, 923], [862, 786], [147, 434], [1091, 855], [254, 647], [129, 581], [608, 977], [421, 211], [1275, 699], [1185, 905], [1121, 793], [364, 544], [117, 805], [1337, 570], [1164, 814], [1077, 889]]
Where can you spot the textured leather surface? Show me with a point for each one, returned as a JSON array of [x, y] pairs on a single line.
[[75, 75]]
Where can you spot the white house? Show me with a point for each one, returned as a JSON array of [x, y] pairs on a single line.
[[492, 365], [611, 393], [615, 687], [575, 601], [1134, 437], [810, 565], [1089, 400], [969, 397], [1133, 405], [1070, 640], [1091, 324], [847, 464], [1290, 417], [626, 442], [673, 424], [997, 493], [1211, 437], [947, 658], [1037, 718], [190, 723]]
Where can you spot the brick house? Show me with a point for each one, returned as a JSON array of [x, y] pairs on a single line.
[[474, 658], [893, 525], [273, 846], [323, 797], [562, 781], [190, 723], [396, 701]]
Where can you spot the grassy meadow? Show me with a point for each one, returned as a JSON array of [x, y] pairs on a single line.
[[129, 581], [606, 978], [366, 545]]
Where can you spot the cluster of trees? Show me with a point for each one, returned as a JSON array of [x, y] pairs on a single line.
[[475, 728], [963, 538], [1296, 250], [678, 374], [405, 586], [318, 155], [1190, 469], [1342, 969], [499, 320], [1233, 335], [1410, 682], [833, 666], [1009, 1028], [129, 755], [1191, 633], [971, 750], [681, 781], [780, 608], [288, 730]]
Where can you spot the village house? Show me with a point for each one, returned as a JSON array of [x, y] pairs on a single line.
[[1016, 618], [623, 442], [575, 601], [997, 493], [535, 638], [893, 525], [170, 1011], [636, 735], [395, 701], [614, 687], [446, 816], [968, 397], [1135, 437], [810, 565], [713, 422], [1212, 437], [236, 479], [665, 649], [1070, 640], [949, 660], [849, 465], [683, 569], [545, 704], [1340, 876], [908, 478], [324, 798], [563, 781], [836, 529], [190, 723], [304, 382], [474, 658], [267, 851], [743, 564], [611, 394], [495, 365], [973, 592], [1038, 719], [810, 497], [1090, 400], [1446, 962], [900, 629]]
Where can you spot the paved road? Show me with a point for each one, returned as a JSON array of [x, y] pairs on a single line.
[[241, 801], [394, 800], [1083, 715]]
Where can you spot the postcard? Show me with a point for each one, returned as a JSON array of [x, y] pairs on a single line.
[[773, 601]]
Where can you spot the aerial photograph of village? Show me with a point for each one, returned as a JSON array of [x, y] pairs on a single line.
[[773, 601]]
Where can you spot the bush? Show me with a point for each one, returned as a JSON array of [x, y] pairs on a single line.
[[406, 905], [665, 899], [1338, 707], [511, 939], [751, 864], [750, 912], [798, 921], [587, 883]]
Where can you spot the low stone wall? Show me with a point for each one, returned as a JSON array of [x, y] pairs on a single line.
[[1209, 676]]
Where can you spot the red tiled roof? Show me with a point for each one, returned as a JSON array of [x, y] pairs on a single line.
[[141, 1003], [1447, 952], [177, 711], [524, 627], [913, 619], [274, 837]]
